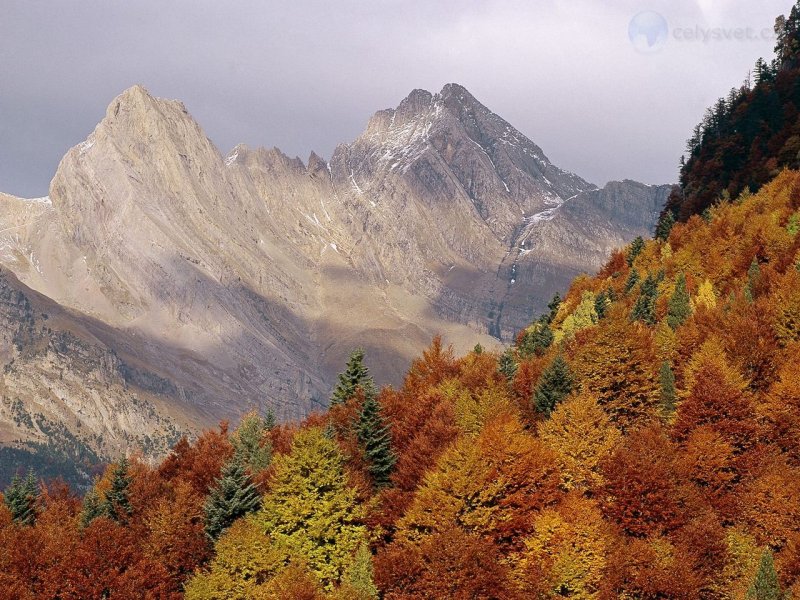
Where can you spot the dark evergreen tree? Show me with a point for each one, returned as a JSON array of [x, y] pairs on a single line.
[[665, 224], [635, 250], [679, 307], [644, 309], [233, 495], [376, 440], [555, 384], [92, 508], [478, 349], [356, 375], [22, 497], [536, 339], [117, 504], [633, 279], [507, 365], [602, 302], [669, 395], [765, 585], [553, 307]]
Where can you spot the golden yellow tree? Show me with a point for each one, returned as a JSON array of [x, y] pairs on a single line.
[[581, 434], [310, 511], [565, 556]]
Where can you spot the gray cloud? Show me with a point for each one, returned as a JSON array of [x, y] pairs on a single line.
[[305, 75]]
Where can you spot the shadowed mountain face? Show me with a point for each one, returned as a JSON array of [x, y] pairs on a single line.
[[244, 280]]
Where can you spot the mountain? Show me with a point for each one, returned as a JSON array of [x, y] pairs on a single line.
[[244, 280]]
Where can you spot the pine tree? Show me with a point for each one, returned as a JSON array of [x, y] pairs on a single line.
[[553, 307], [555, 384], [92, 508], [356, 375], [669, 395], [665, 224], [635, 250], [765, 585], [233, 495], [250, 447], [679, 307], [633, 279], [376, 440], [601, 303], [536, 339], [644, 309], [117, 504], [21, 497], [507, 365], [478, 349]]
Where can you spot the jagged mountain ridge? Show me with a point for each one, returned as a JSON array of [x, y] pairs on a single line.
[[440, 217]]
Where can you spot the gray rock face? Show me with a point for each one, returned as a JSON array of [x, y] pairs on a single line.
[[241, 280]]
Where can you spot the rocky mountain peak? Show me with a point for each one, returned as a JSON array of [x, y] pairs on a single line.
[[247, 278]]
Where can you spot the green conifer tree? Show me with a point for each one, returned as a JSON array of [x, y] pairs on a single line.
[[356, 375], [507, 365], [478, 349], [555, 384], [635, 250], [644, 309], [233, 495], [601, 303], [117, 504], [22, 497], [536, 339], [679, 307], [633, 279], [669, 395], [376, 440], [553, 307], [92, 508], [765, 585], [665, 224]]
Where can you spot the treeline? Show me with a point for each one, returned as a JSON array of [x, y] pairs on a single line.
[[748, 136], [640, 440]]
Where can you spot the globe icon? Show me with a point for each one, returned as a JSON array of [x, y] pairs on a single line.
[[648, 31]]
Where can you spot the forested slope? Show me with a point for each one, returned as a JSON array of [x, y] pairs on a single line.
[[641, 440]]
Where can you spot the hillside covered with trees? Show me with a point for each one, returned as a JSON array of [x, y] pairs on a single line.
[[746, 137], [641, 440]]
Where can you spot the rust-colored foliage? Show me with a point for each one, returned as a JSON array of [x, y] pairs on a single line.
[[200, 463], [644, 493], [448, 564]]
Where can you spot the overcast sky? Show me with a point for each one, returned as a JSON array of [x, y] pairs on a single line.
[[303, 75]]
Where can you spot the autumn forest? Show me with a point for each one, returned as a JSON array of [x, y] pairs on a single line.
[[640, 440]]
